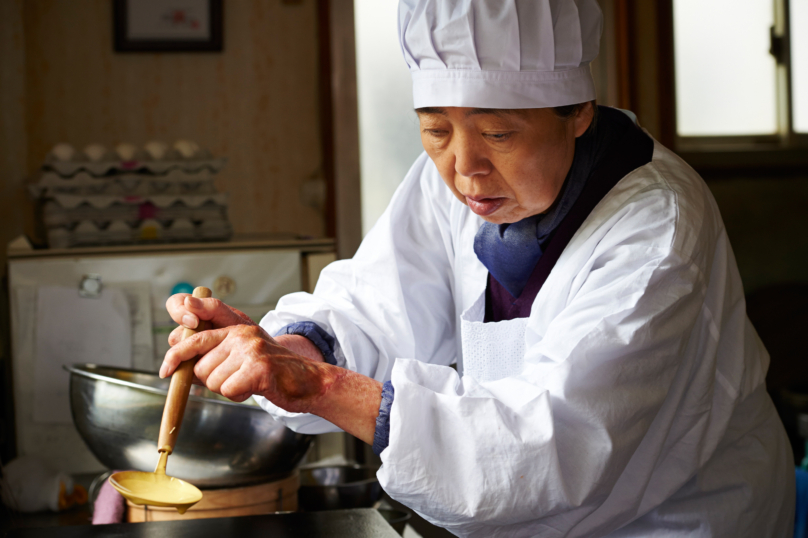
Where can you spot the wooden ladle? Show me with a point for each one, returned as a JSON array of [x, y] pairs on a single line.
[[157, 488]]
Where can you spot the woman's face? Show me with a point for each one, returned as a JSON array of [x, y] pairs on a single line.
[[504, 164]]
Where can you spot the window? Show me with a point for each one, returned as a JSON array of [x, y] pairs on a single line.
[[741, 72], [389, 135], [799, 63]]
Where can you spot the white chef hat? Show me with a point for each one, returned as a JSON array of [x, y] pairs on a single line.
[[500, 53]]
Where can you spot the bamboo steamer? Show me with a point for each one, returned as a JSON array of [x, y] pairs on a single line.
[[266, 498]]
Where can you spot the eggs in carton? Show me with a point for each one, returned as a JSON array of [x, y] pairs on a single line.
[[98, 153], [91, 233], [154, 157], [157, 193], [62, 152]]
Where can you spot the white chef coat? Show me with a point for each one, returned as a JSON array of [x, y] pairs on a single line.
[[640, 409]]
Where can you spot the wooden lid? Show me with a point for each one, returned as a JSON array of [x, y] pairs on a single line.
[[218, 499]]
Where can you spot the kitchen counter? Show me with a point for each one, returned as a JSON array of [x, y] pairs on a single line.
[[358, 523]]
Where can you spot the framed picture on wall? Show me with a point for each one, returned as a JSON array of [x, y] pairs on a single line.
[[167, 25]]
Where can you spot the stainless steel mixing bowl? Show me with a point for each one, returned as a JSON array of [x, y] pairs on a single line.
[[221, 443]]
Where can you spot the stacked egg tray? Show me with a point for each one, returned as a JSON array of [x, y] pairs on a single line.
[[130, 202], [68, 169], [82, 183]]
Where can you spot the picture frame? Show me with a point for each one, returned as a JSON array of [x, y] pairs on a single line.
[[168, 25]]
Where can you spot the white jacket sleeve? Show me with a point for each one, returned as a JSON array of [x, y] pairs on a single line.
[[392, 299], [574, 444]]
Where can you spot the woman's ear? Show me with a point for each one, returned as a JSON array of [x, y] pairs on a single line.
[[583, 118]]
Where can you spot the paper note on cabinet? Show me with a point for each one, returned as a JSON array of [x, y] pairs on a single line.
[[73, 329]]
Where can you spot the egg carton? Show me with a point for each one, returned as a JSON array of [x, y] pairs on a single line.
[[121, 232], [68, 218], [64, 210], [155, 157], [100, 168], [82, 183]]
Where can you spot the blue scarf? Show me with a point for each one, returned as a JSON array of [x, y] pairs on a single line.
[[510, 252]]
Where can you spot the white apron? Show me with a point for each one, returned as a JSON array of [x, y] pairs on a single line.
[[491, 351], [652, 255]]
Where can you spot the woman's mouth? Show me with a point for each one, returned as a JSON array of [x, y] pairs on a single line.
[[484, 206]]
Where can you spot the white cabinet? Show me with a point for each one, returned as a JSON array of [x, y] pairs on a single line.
[[251, 277]]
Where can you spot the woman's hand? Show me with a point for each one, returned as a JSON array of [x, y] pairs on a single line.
[[238, 359], [241, 360], [242, 343], [187, 311]]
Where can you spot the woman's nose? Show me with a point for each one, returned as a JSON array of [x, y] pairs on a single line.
[[470, 160]]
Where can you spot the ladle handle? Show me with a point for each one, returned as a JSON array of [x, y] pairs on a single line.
[[178, 390]]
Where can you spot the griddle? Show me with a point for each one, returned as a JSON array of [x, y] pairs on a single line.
[[356, 523]]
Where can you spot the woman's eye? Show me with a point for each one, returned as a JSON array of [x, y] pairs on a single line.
[[435, 132], [498, 137]]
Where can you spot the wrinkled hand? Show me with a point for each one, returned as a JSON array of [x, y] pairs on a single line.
[[241, 360], [187, 311], [237, 358]]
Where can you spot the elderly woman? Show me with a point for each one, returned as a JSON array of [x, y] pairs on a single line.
[[577, 273]]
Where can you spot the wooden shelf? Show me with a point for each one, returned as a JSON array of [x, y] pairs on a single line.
[[247, 242]]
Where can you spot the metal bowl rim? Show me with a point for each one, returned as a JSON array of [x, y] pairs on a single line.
[[78, 369]]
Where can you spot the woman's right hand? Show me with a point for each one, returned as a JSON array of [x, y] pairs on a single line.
[[288, 370], [187, 311]]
